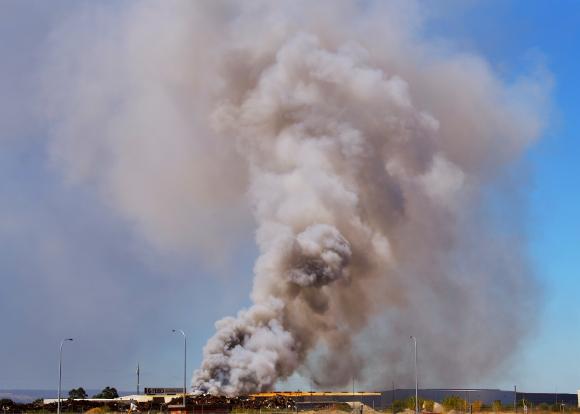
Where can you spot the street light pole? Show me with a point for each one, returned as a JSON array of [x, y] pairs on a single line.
[[184, 362], [416, 378], [60, 371]]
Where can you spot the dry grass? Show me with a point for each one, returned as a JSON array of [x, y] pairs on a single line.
[[97, 410]]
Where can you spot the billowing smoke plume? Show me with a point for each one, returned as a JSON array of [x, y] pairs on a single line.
[[378, 167]]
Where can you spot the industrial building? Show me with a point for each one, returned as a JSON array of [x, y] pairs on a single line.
[[487, 396]]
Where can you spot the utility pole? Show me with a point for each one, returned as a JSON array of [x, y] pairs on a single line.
[[515, 400], [353, 402], [416, 378], [138, 379], [184, 362], [60, 371]]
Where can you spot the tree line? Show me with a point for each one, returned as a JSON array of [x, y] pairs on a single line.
[[80, 393]]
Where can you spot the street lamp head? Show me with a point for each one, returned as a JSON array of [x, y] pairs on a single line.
[[181, 331], [65, 340]]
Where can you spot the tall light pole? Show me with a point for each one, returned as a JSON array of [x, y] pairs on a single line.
[[416, 378], [184, 362], [60, 371]]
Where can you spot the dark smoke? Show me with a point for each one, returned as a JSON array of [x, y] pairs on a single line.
[[368, 156]]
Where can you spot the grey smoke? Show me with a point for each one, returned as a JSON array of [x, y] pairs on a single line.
[[366, 153], [321, 256]]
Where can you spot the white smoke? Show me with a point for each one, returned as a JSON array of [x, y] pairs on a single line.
[[248, 352], [367, 155]]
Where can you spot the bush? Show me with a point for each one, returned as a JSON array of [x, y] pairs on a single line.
[[496, 406], [476, 406], [6, 402], [108, 392], [398, 406], [342, 407], [77, 393], [453, 402], [410, 403]]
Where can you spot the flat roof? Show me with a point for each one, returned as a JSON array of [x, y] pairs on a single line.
[[314, 393]]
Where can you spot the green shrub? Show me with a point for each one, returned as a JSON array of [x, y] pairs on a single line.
[[77, 393], [410, 403], [398, 406], [108, 392], [454, 402]]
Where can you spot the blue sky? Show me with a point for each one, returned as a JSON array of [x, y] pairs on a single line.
[[49, 226], [509, 34]]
